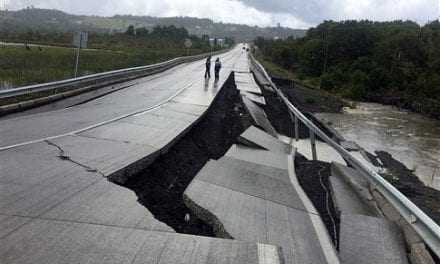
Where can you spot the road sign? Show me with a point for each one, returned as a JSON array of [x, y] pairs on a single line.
[[188, 43], [80, 40]]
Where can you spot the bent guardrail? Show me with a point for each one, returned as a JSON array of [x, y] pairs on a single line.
[[80, 82], [425, 227]]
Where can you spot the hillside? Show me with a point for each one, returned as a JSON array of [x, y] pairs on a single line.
[[395, 62], [54, 20]]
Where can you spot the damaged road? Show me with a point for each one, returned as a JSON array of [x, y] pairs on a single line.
[[62, 155], [160, 187]]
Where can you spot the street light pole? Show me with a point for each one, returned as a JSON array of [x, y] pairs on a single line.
[[78, 50]]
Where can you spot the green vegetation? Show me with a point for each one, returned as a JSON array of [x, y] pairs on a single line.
[[388, 62], [24, 66]]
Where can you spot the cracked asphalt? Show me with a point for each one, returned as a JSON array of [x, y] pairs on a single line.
[[56, 203]]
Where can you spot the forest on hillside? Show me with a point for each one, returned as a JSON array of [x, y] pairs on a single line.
[[46, 20], [159, 37], [388, 62]]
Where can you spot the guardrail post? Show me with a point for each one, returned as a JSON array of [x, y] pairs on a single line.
[[296, 128], [422, 224], [313, 143]]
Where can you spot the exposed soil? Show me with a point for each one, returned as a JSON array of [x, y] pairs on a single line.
[[426, 198], [425, 106], [161, 186], [405, 181], [313, 177], [278, 113], [309, 100]]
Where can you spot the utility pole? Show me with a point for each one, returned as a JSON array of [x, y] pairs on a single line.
[[325, 50], [325, 36], [79, 41], [78, 50]]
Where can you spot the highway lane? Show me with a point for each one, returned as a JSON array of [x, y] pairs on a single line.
[[147, 93], [57, 204]]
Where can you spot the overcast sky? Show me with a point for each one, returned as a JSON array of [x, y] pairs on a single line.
[[290, 13]]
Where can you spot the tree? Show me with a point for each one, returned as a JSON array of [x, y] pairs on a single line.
[[367, 60], [130, 31], [142, 32]]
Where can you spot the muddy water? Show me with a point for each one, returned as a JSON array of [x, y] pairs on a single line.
[[411, 138]]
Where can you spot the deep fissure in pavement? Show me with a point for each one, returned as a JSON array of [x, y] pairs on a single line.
[[313, 177], [160, 187]]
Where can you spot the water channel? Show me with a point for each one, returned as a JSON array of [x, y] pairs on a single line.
[[411, 138]]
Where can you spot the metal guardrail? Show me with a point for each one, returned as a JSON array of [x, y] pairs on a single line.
[[425, 227], [76, 83]]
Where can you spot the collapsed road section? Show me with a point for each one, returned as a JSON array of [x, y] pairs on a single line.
[[160, 187], [57, 204], [210, 163]]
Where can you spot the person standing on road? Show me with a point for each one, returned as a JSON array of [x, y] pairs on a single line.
[[217, 67], [208, 68]]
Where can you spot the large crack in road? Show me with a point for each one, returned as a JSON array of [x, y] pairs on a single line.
[[160, 187]]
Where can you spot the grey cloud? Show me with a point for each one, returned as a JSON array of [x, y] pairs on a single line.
[[310, 11], [293, 13], [315, 11]]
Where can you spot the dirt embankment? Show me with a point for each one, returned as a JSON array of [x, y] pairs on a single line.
[[426, 198], [307, 101], [425, 106]]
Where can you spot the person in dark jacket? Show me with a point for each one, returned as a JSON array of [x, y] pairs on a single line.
[[217, 67], [208, 67]]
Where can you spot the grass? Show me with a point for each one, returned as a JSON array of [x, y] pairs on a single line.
[[20, 67], [274, 69], [278, 71]]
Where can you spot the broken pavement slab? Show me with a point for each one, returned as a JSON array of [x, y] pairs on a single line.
[[354, 179], [33, 179], [346, 200], [245, 82], [266, 141], [350, 145], [255, 98], [365, 239], [228, 194], [259, 116], [324, 152], [106, 203], [237, 175], [47, 186], [110, 158], [253, 219], [45, 241], [262, 157], [158, 128]]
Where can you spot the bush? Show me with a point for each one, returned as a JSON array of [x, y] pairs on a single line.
[[390, 62]]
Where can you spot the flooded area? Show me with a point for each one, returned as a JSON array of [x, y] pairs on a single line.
[[411, 138]]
